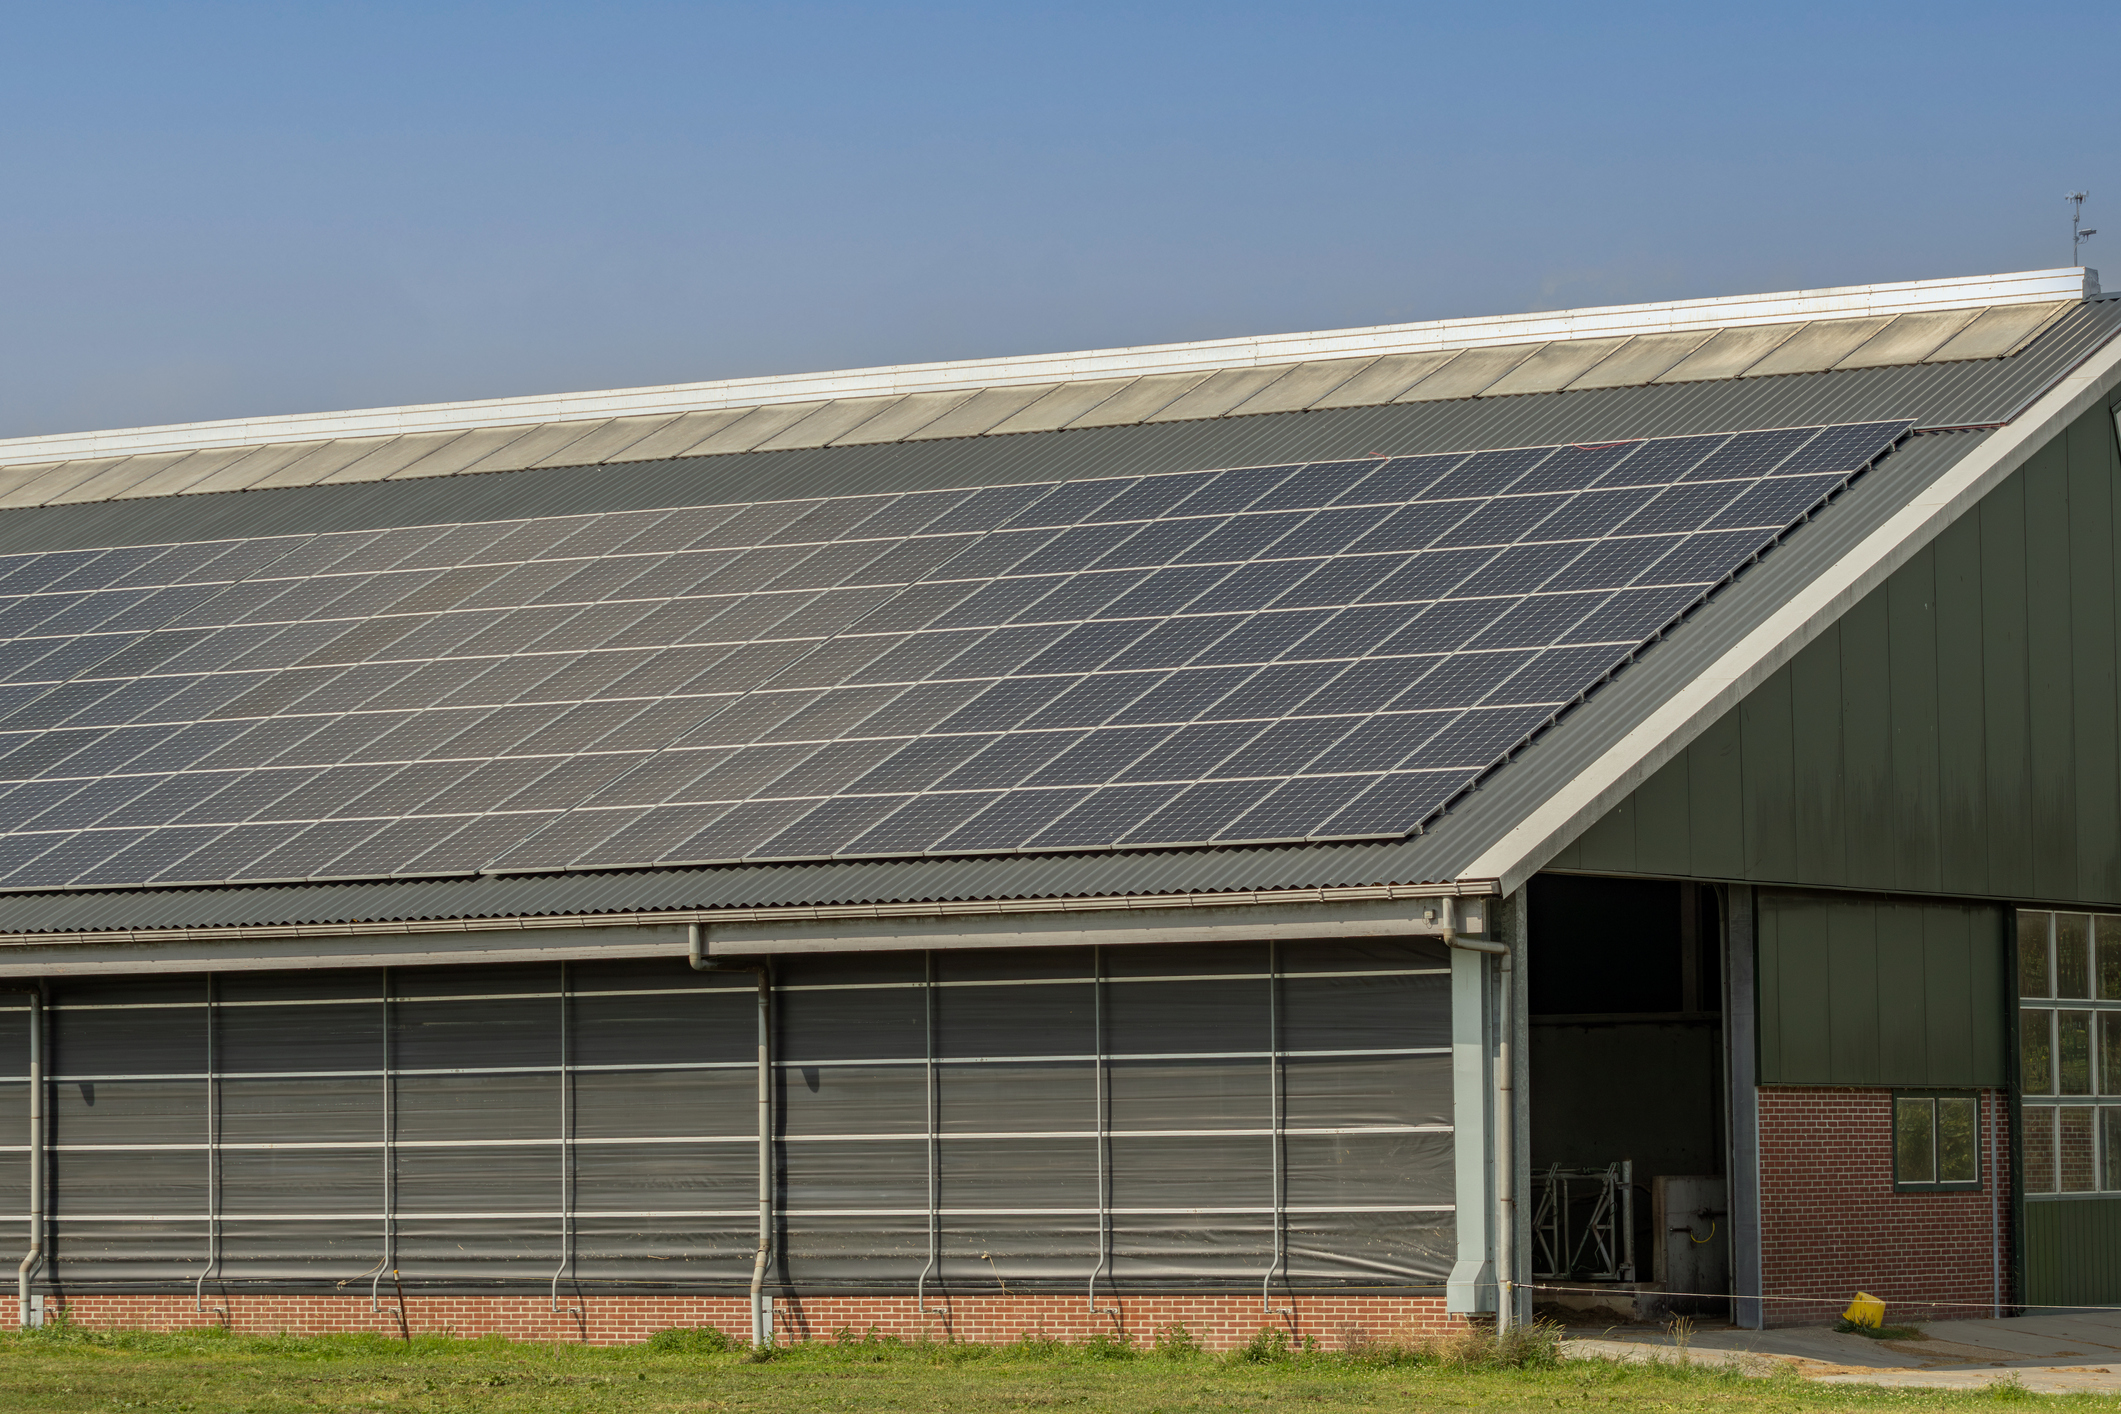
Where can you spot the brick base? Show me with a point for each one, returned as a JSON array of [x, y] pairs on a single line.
[[1219, 1321], [1831, 1224]]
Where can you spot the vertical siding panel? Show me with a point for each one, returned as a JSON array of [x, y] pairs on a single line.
[[2091, 560], [2050, 698], [2073, 1252], [1988, 997], [1867, 709], [1962, 756], [1915, 813], [2003, 694], [1716, 782], [1855, 992], [1767, 984], [1805, 1021], [1902, 994], [1816, 727], [1663, 830], [1770, 826], [1947, 994], [1852, 983], [1609, 845]]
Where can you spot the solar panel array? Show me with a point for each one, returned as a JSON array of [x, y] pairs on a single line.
[[1328, 650]]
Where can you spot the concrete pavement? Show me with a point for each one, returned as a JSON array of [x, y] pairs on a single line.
[[2053, 1353]]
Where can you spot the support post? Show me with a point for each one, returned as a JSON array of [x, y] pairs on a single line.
[[1512, 924], [26, 1312], [761, 1308], [1741, 1058], [1470, 1290]]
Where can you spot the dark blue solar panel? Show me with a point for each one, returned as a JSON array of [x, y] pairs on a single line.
[[1279, 652]]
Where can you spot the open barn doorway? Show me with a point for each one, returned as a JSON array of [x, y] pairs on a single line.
[[1628, 1197]]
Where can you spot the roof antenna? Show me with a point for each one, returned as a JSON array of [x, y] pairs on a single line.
[[2077, 236]]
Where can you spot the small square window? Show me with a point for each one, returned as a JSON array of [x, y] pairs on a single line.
[[1936, 1142]]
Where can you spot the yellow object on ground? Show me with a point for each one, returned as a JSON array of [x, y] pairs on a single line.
[[1865, 1310]]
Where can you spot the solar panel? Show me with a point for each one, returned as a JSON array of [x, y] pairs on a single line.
[[1318, 651]]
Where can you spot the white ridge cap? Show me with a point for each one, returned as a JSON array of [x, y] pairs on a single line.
[[1669, 316]]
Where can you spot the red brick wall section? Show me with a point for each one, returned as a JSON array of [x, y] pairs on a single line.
[[1831, 1224], [1219, 1321]]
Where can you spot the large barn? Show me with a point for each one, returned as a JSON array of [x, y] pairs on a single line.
[[1348, 831]]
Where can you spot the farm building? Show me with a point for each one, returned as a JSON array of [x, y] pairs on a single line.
[[1346, 831]]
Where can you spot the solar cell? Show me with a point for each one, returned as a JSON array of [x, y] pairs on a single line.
[[1092, 700], [1378, 743], [1293, 809], [1141, 659], [828, 826], [1013, 819], [1371, 684], [1198, 812], [1104, 817], [1409, 795], [1277, 689], [1287, 745], [920, 822]]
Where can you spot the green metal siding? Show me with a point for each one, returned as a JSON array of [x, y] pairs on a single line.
[[1955, 732], [1864, 992], [2073, 1252]]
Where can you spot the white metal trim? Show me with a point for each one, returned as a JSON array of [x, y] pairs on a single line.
[[1606, 321]]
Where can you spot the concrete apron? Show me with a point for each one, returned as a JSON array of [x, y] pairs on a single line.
[[2063, 1353]]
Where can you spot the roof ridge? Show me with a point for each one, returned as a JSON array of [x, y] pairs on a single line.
[[968, 375]]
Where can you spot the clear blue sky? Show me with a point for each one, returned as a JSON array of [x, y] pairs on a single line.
[[211, 210]]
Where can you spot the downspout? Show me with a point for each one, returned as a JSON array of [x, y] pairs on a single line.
[[34, 1257], [1505, 1125], [761, 1327]]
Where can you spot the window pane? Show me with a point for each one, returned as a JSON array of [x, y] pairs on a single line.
[[2108, 931], [2039, 1149], [1956, 1149], [2032, 955], [2035, 1051], [2073, 946], [2073, 1155], [1914, 1140], [2073, 1051], [2110, 1144]]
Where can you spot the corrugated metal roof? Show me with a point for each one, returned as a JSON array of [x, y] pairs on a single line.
[[1964, 396], [1438, 855]]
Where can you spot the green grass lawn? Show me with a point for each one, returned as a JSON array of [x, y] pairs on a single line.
[[208, 1373]]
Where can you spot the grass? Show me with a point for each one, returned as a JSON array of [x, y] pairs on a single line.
[[212, 1373]]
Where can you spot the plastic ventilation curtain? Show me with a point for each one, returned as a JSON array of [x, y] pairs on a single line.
[[1126, 1118]]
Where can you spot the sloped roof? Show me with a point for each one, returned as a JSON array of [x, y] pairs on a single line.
[[1941, 395]]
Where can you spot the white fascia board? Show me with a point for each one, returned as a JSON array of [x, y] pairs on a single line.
[[1670, 316], [1430, 917], [1749, 662]]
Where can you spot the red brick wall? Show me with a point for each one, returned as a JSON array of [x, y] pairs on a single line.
[[1219, 1321], [1831, 1224]]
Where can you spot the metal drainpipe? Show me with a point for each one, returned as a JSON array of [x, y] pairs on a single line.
[[697, 935], [1505, 1129], [34, 1258]]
